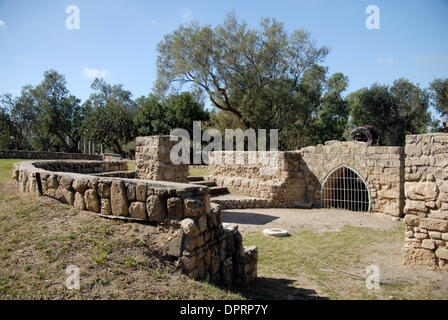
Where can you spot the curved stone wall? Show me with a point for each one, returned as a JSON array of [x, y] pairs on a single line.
[[203, 247]]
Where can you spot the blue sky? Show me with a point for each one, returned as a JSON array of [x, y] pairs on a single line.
[[118, 39]]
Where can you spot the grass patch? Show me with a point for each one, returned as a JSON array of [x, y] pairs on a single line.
[[6, 168], [294, 258]]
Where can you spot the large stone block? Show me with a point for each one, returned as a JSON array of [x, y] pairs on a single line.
[[155, 208], [175, 208], [434, 224], [442, 253], [137, 210], [193, 207], [79, 202], [92, 201], [81, 185], [189, 227], [421, 190], [119, 201]]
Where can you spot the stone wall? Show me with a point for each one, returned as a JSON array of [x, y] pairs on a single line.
[[296, 177], [381, 168], [204, 249], [426, 209], [152, 155], [273, 180], [22, 154]]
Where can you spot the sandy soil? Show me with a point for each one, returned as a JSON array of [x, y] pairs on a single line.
[[319, 220], [385, 255]]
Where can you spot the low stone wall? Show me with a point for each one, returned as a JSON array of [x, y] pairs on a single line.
[[426, 190], [295, 178], [152, 156], [22, 154], [274, 177], [203, 247]]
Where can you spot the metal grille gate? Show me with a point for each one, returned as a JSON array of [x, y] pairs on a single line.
[[344, 188]]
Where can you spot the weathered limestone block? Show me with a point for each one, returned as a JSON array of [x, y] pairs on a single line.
[[119, 201], [434, 224], [92, 201], [421, 191], [435, 235], [429, 244], [80, 185], [202, 223], [106, 206], [175, 208], [155, 208], [442, 253], [415, 207], [137, 210], [418, 257], [189, 227], [104, 190], [140, 191], [66, 196], [79, 202], [93, 183], [193, 207], [52, 182], [66, 182], [130, 192]]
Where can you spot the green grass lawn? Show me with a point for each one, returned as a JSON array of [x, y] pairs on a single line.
[[6, 168]]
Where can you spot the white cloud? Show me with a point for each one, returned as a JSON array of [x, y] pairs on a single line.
[[94, 73], [186, 14], [2, 23], [386, 61], [153, 22]]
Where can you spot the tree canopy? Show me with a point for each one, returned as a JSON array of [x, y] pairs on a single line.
[[393, 111], [439, 94], [253, 74], [109, 119]]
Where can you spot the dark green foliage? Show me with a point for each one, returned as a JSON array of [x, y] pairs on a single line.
[[109, 119], [439, 94], [393, 111]]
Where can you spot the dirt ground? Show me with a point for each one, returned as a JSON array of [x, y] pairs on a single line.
[[319, 220], [411, 282]]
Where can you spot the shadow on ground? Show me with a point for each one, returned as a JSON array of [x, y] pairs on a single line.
[[247, 218], [277, 288]]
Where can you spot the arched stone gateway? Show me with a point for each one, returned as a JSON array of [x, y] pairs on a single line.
[[345, 188]]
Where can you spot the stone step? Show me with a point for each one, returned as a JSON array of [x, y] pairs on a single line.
[[204, 183], [195, 178], [218, 190]]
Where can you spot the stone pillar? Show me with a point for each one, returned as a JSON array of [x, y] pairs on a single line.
[[152, 155], [426, 209]]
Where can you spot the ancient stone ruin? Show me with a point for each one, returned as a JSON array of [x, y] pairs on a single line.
[[410, 181], [203, 248], [354, 175]]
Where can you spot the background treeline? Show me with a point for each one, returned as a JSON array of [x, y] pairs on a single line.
[[263, 78]]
